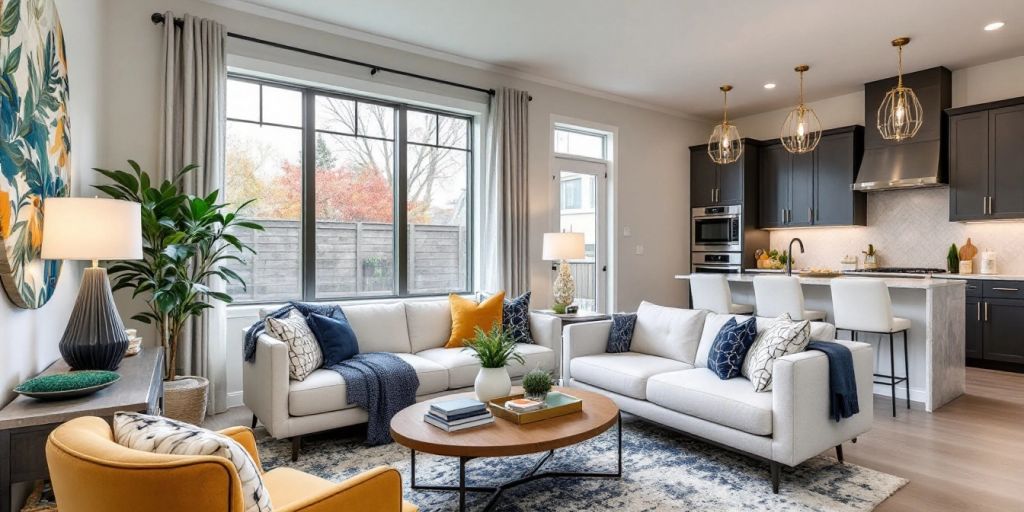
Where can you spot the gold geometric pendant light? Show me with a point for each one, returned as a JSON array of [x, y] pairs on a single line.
[[802, 130], [725, 145], [900, 114]]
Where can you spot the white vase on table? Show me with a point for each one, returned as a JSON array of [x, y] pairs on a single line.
[[492, 383]]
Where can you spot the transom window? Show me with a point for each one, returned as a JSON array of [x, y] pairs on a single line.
[[359, 198], [579, 143]]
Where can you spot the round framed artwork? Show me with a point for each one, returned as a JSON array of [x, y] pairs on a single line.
[[35, 144]]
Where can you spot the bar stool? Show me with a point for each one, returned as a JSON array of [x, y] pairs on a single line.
[[775, 295], [863, 305], [711, 292]]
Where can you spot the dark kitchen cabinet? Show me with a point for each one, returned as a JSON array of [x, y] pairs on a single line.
[[813, 189], [986, 161], [994, 315], [712, 184]]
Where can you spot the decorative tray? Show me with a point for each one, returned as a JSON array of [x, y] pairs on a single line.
[[556, 404], [820, 274]]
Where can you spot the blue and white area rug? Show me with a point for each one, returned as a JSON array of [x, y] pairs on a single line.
[[662, 470]]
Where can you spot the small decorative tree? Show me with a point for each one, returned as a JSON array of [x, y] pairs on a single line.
[[186, 241]]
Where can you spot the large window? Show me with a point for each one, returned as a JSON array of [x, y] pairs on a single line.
[[360, 198]]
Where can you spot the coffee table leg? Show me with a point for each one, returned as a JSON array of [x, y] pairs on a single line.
[[620, 443], [412, 470], [462, 483]]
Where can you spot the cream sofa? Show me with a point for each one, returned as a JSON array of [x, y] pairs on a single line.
[[415, 331], [664, 379]]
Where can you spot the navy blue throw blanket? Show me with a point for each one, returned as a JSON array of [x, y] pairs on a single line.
[[254, 331], [381, 383], [842, 382]]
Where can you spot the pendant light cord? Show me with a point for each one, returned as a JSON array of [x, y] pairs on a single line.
[[899, 53]]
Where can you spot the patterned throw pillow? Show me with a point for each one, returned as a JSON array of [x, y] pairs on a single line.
[[730, 347], [781, 338], [155, 434], [304, 354], [515, 318], [620, 336]]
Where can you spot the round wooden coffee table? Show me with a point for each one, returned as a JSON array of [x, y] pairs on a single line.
[[506, 439]]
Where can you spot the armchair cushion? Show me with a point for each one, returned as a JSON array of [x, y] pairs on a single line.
[[625, 373], [163, 435]]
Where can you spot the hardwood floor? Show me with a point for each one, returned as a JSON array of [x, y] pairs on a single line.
[[967, 456]]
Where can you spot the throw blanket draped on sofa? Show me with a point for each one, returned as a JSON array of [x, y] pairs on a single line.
[[842, 382], [381, 383]]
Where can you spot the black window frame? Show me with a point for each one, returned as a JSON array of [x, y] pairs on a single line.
[[403, 279]]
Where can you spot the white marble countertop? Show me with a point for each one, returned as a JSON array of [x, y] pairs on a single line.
[[991, 277], [891, 282]]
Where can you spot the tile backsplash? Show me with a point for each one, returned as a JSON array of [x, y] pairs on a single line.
[[910, 228]]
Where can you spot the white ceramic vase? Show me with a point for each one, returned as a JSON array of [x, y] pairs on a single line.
[[492, 383]]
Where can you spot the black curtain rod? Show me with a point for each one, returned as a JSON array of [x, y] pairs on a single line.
[[159, 18]]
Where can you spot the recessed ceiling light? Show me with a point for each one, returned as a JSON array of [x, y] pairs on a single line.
[[769, 85], [995, 25]]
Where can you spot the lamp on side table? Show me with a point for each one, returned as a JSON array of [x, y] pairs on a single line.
[[93, 229], [563, 247]]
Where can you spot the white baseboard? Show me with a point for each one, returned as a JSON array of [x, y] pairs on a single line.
[[234, 399], [916, 395]]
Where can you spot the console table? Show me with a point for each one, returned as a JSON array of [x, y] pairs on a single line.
[[26, 422]]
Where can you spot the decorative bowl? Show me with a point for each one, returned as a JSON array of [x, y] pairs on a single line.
[[62, 386]]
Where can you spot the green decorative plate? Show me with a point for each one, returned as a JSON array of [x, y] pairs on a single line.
[[62, 386]]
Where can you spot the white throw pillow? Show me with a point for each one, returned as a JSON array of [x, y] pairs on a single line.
[[672, 333], [781, 338], [155, 434], [304, 353]]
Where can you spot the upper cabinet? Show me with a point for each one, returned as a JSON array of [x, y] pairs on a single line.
[[712, 184], [813, 189], [986, 161]]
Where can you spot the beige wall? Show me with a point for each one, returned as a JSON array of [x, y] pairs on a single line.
[[908, 227]]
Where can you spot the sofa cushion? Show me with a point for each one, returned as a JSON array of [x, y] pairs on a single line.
[[379, 327], [700, 393], [713, 323], [304, 354], [430, 324], [325, 391], [782, 337], [469, 315], [625, 373], [731, 346], [336, 337], [515, 318], [621, 334], [672, 333], [463, 366]]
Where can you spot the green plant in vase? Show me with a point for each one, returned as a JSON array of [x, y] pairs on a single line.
[[953, 260], [494, 349], [536, 384]]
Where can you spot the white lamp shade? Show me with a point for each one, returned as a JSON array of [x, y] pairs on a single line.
[[79, 228], [563, 246]]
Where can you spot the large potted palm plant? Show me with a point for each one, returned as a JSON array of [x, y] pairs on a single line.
[[187, 241]]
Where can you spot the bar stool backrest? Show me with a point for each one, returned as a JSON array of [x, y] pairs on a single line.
[[710, 292], [775, 295], [862, 304]]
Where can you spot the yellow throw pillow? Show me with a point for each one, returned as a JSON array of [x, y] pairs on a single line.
[[468, 314]]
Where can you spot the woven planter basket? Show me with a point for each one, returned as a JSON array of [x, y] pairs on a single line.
[[185, 399]]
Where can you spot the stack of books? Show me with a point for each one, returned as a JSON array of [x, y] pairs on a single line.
[[522, 405], [458, 414]]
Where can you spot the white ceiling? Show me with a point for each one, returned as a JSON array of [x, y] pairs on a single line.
[[674, 54]]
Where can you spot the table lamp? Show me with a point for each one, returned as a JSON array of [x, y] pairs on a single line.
[[76, 228], [562, 247]]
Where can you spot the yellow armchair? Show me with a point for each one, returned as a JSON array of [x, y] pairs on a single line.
[[92, 473]]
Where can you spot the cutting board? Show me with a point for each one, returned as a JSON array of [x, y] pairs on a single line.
[[968, 251]]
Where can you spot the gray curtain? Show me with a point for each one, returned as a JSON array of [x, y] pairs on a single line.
[[504, 242], [192, 131]]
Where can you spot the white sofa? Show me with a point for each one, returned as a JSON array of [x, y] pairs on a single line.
[[664, 379], [416, 331]]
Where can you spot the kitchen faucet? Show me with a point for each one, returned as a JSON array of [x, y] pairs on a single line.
[[789, 260]]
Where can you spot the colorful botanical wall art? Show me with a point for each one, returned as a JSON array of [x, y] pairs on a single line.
[[35, 144]]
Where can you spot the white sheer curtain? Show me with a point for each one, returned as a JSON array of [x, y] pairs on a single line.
[[195, 81], [504, 207]]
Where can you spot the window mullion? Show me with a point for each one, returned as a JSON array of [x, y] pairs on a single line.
[[401, 206], [308, 238]]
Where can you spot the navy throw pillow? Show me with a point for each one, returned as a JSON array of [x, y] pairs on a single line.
[[621, 334], [730, 347], [336, 338], [328, 310], [515, 318]]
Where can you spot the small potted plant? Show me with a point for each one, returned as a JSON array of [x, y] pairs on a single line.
[[537, 384], [870, 257], [494, 349]]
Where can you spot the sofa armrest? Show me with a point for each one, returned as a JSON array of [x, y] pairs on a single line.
[[546, 331], [583, 339], [802, 425], [265, 385], [379, 489]]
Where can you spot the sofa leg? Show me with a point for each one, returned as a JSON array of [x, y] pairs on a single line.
[[839, 453], [296, 444], [776, 469], [254, 420], [854, 440]]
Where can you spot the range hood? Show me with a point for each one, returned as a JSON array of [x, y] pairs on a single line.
[[917, 162]]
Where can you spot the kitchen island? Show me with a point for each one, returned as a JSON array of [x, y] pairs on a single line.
[[935, 308]]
